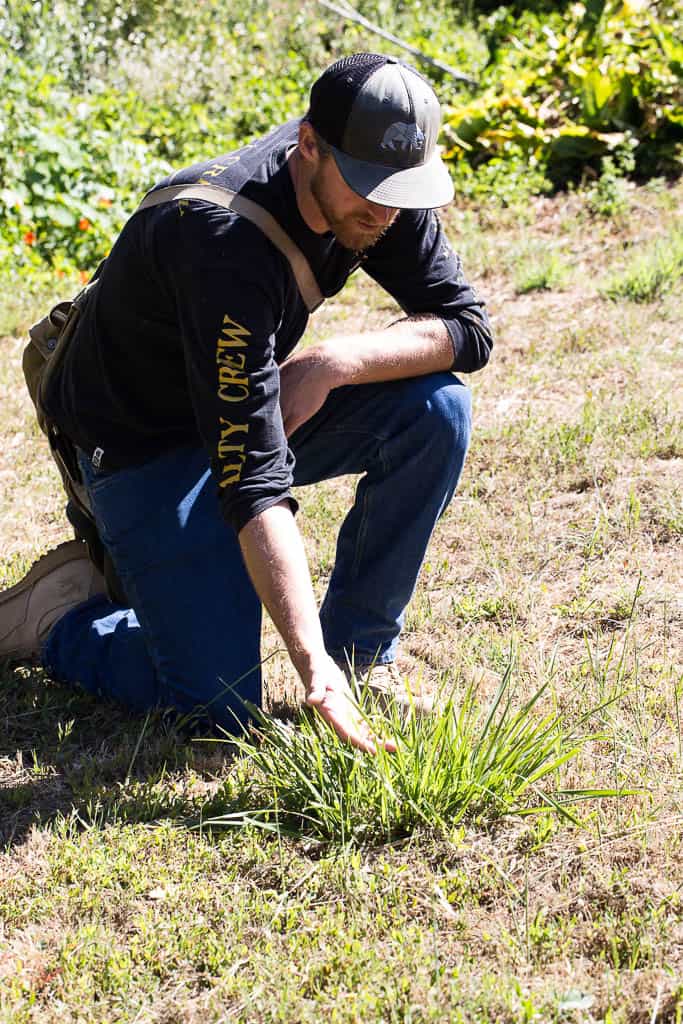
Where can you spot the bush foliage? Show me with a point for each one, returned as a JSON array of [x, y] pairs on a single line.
[[568, 90], [100, 99]]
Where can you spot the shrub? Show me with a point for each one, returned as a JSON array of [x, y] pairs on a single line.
[[100, 99], [561, 92]]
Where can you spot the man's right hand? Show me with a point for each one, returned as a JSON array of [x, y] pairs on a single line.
[[275, 558], [329, 692]]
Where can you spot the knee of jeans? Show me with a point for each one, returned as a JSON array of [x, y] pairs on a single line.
[[446, 412]]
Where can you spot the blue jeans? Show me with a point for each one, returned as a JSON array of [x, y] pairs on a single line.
[[190, 639]]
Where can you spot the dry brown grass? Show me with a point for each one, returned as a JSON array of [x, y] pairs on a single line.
[[562, 545]]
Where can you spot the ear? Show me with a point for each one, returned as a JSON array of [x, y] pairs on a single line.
[[308, 147]]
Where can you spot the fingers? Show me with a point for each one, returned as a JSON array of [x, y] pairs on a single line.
[[356, 733], [292, 423], [316, 695], [337, 708], [366, 745]]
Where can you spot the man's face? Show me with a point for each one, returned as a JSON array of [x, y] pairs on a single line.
[[356, 222]]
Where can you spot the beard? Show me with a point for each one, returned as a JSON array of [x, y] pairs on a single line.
[[351, 230]]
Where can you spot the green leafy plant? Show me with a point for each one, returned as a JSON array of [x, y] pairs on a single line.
[[467, 761], [608, 197], [99, 100], [564, 91], [538, 271]]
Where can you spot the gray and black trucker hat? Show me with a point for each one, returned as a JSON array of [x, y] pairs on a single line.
[[381, 119]]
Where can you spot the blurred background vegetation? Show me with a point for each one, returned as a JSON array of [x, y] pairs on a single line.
[[99, 99]]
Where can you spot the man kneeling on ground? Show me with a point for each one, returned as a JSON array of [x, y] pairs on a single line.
[[193, 416]]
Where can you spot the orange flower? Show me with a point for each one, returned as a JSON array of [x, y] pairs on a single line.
[[83, 276], [103, 201], [83, 224], [30, 238]]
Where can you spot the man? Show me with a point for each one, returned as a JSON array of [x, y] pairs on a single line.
[[193, 417]]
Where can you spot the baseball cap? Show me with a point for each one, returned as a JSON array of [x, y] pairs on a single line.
[[381, 119]]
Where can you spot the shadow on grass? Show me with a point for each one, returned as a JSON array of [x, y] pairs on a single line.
[[64, 753]]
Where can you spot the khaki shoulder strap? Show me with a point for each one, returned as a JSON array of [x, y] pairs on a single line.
[[305, 279]]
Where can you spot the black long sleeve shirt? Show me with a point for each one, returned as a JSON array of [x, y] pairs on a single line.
[[196, 309]]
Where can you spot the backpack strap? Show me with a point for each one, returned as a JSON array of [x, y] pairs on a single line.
[[305, 279]]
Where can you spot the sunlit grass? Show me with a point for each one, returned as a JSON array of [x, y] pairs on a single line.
[[487, 903], [652, 271], [469, 760], [539, 271]]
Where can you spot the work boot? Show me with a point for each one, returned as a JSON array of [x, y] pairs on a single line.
[[58, 581], [388, 685]]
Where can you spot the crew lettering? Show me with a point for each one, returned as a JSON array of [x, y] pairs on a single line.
[[233, 386], [234, 359], [232, 334], [233, 383]]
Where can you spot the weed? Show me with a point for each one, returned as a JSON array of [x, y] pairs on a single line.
[[633, 512], [581, 339], [609, 196], [651, 272], [538, 271], [470, 608], [668, 516]]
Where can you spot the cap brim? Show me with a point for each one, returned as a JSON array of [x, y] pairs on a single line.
[[424, 187]]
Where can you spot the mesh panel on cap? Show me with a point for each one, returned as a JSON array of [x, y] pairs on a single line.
[[333, 94]]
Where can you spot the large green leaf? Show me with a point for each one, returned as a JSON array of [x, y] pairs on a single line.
[[594, 10], [576, 143], [596, 91], [470, 128]]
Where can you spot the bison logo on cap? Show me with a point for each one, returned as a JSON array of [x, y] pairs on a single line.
[[403, 138]]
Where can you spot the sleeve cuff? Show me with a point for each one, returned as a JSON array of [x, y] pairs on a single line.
[[456, 335], [239, 517]]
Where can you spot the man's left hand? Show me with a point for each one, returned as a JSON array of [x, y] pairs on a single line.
[[306, 379], [408, 348]]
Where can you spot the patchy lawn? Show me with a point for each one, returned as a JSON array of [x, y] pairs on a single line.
[[560, 556]]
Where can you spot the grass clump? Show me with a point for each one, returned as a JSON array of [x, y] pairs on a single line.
[[467, 761], [652, 272], [538, 272]]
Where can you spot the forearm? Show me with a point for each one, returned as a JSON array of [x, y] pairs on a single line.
[[276, 561], [409, 348]]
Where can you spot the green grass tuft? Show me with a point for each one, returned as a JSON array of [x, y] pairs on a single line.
[[652, 272], [468, 761], [539, 271]]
